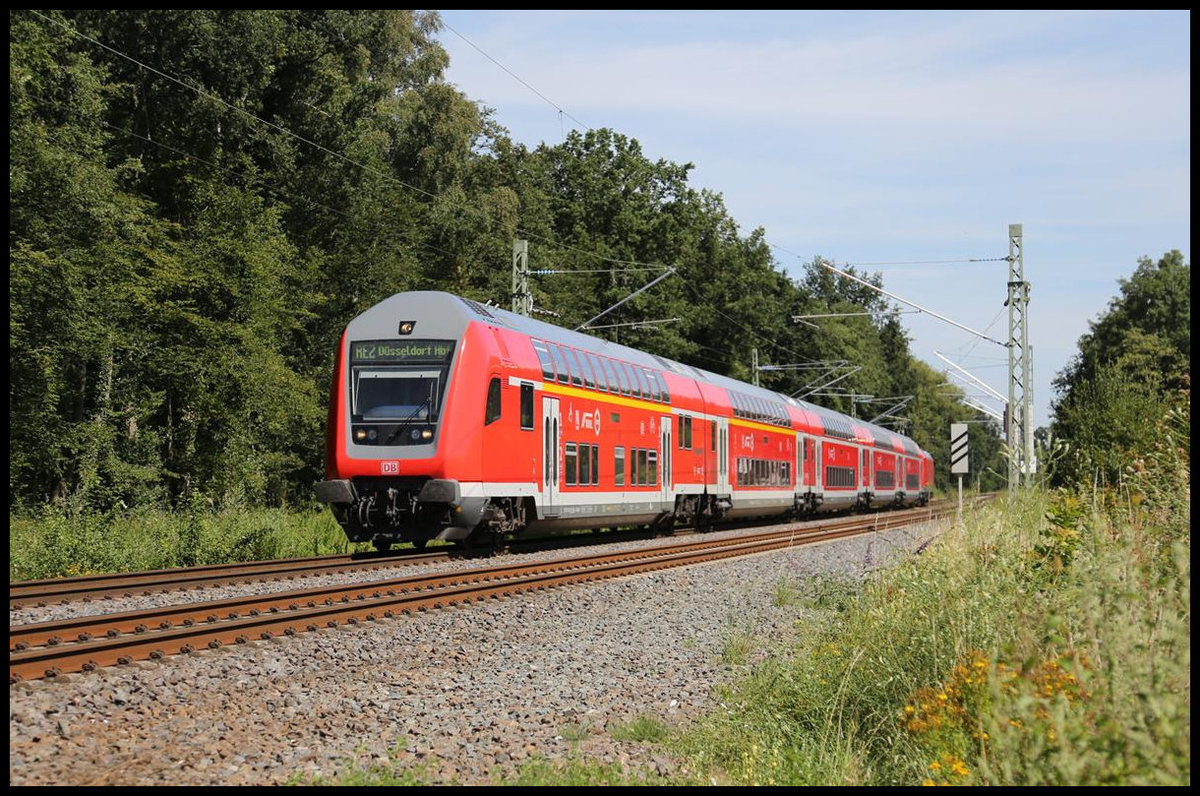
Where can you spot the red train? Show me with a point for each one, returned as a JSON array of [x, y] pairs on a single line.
[[449, 419]]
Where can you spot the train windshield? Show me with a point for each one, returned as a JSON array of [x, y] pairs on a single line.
[[396, 394], [398, 382]]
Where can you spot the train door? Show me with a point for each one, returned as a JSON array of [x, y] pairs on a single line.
[[551, 442], [819, 466], [722, 456], [667, 457], [801, 445]]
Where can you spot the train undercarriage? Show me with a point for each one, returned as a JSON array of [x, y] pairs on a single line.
[[388, 511]]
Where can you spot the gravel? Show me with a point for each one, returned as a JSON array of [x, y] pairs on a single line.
[[458, 696]]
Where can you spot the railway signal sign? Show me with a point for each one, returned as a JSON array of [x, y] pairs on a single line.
[[958, 458], [958, 449]]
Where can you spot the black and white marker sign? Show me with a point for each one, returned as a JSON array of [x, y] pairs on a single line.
[[958, 449]]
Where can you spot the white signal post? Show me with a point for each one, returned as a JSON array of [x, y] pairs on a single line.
[[958, 458]]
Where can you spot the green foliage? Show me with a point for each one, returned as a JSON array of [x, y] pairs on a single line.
[[1105, 420], [51, 543], [1146, 329], [643, 729], [1137, 354], [577, 770], [1058, 542]]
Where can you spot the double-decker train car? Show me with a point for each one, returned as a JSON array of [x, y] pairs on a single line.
[[449, 419]]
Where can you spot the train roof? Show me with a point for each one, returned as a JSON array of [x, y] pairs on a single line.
[[445, 314]]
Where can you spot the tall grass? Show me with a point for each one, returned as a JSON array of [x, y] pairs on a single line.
[[54, 543], [1043, 642]]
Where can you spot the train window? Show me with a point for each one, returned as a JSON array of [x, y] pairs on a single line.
[[543, 354], [642, 475], [687, 434], [597, 372], [712, 432], [560, 364], [662, 388], [573, 367], [645, 384], [527, 406], [633, 467], [571, 464], [629, 379], [626, 369], [385, 394], [589, 380], [652, 466], [619, 466], [585, 465], [623, 377], [611, 373], [653, 382], [491, 412]]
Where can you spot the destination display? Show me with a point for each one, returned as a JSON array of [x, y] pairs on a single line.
[[430, 351]]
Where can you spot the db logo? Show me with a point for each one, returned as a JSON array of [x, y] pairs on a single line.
[[389, 468]]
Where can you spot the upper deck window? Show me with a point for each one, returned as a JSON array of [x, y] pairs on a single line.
[[560, 363], [573, 366], [543, 355]]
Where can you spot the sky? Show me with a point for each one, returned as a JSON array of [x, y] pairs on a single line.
[[899, 142]]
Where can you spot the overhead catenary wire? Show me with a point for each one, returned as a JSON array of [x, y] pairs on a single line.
[[551, 102]]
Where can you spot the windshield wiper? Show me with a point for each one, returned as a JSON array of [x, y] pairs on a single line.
[[404, 423]]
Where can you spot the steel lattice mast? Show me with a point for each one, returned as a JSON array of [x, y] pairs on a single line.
[[1019, 428]]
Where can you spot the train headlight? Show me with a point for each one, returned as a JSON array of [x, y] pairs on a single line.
[[427, 433], [360, 435], [415, 434], [406, 327], [372, 434]]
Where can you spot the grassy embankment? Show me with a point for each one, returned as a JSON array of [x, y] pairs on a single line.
[[56, 544]]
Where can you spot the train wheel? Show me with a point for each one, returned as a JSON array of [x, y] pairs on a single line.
[[420, 543], [382, 545]]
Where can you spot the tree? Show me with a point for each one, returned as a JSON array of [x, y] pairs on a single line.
[[1128, 366]]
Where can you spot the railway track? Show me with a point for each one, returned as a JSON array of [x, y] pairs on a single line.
[[40, 593], [48, 649]]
